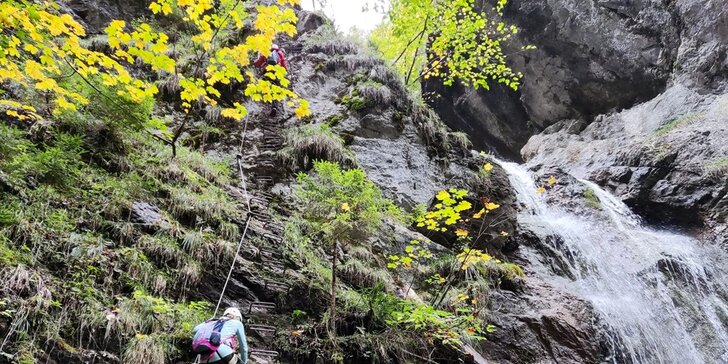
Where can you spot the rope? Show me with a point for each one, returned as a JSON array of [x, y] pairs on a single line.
[[230, 272], [242, 181], [247, 224]]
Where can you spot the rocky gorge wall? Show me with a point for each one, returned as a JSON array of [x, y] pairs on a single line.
[[631, 95], [537, 322], [663, 63], [592, 58]]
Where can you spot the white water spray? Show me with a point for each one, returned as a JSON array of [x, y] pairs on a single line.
[[661, 296]]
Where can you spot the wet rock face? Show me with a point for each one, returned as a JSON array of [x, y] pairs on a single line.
[[666, 158], [382, 133], [96, 15], [543, 325], [593, 57]]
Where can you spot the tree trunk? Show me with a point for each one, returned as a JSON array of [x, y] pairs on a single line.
[[177, 134], [332, 314]]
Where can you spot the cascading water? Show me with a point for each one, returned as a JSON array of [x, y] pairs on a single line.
[[661, 296]]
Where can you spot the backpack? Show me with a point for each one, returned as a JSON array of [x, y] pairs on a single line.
[[275, 58], [209, 339]]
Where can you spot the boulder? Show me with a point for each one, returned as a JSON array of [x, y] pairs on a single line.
[[148, 216]]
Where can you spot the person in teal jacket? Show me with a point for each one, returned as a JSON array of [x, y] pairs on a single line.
[[234, 347]]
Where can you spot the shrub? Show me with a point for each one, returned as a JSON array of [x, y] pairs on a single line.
[[58, 165], [342, 207]]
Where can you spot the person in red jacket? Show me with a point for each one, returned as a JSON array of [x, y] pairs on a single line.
[[276, 58]]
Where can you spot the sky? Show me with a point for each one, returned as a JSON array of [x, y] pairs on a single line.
[[347, 13]]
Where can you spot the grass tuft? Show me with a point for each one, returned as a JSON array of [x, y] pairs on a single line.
[[331, 47], [354, 63], [717, 167], [375, 93], [307, 143], [678, 122], [145, 349], [460, 141]]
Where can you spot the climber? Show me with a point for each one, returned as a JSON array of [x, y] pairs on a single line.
[[216, 340], [276, 57]]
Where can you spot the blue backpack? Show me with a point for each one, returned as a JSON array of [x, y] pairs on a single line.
[[209, 341], [274, 58]]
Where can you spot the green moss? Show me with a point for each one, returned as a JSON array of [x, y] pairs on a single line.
[[591, 199], [11, 256], [717, 166], [355, 79], [677, 122], [334, 120], [355, 102]]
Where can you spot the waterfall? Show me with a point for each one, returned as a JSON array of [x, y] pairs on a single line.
[[661, 296]]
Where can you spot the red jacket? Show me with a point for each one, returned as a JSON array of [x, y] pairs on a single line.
[[262, 60]]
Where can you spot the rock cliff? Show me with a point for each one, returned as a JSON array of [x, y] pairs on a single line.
[[593, 57], [629, 94], [632, 95]]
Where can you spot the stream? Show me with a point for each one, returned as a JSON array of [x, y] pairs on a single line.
[[660, 296]]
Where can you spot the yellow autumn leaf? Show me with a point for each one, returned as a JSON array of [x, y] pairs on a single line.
[[166, 9], [443, 195], [461, 233], [552, 181], [345, 207], [540, 190], [503, 233], [479, 214], [488, 167], [491, 206], [155, 8]]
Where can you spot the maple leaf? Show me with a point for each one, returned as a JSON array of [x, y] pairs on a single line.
[[443, 195]]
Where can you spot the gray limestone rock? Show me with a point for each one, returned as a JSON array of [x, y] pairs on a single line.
[[147, 215], [593, 57]]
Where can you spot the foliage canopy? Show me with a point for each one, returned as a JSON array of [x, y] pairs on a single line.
[[454, 40], [40, 48]]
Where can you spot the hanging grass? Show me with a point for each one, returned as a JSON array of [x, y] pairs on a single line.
[[308, 143]]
